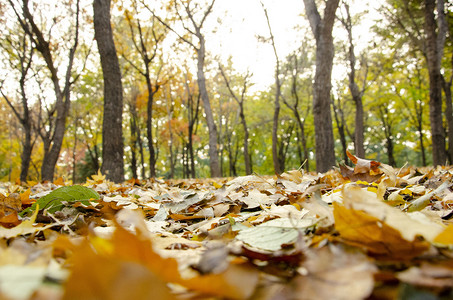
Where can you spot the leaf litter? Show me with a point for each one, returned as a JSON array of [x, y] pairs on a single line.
[[368, 232]]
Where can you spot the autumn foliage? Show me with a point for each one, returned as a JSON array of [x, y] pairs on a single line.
[[353, 233]]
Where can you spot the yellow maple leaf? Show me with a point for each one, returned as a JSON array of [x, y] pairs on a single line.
[[99, 178], [362, 230]]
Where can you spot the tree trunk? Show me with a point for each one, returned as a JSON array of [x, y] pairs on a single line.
[[434, 50], [169, 105], [391, 158], [26, 153], [276, 152], [339, 120], [422, 144], [248, 165], [149, 128], [133, 142], [214, 162], [278, 168], [355, 92], [112, 134], [449, 116], [322, 30], [62, 97], [359, 128]]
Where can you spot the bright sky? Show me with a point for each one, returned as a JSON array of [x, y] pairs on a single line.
[[245, 19]]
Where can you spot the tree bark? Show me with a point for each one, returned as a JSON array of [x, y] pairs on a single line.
[[322, 30], [52, 140], [212, 128], [276, 152], [353, 87], [149, 127], [134, 133], [449, 115], [112, 134], [434, 49], [339, 120]]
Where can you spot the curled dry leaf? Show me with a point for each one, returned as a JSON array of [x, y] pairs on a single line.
[[363, 165]]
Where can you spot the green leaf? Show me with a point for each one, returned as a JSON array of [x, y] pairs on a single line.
[[60, 197]]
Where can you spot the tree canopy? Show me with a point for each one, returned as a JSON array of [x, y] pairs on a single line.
[[191, 105]]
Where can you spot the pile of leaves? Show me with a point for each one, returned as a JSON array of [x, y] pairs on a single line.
[[368, 232]]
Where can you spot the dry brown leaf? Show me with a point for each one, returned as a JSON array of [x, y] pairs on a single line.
[[334, 273], [363, 165], [351, 174]]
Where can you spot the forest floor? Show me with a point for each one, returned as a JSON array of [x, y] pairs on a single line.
[[368, 232]]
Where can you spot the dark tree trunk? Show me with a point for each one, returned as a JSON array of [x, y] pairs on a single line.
[[434, 50], [446, 85], [149, 127], [26, 155], [422, 144], [449, 116], [322, 30], [112, 134], [390, 156], [169, 104], [134, 135]]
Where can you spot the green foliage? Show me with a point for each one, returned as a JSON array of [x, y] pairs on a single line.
[[395, 99]]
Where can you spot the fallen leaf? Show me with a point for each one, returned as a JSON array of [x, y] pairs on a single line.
[[334, 273], [59, 181], [26, 227], [360, 229], [20, 281], [363, 165], [351, 174], [56, 199], [428, 275], [98, 178], [445, 237], [273, 234], [25, 198], [111, 277], [410, 225]]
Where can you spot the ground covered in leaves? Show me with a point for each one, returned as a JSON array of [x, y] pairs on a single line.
[[368, 232]]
